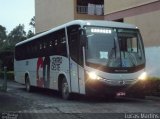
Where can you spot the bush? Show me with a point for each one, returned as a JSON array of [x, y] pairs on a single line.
[[1, 74], [10, 75]]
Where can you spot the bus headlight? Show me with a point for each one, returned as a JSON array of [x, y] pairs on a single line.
[[143, 76], [94, 76]]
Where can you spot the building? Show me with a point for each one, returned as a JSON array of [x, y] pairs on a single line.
[[146, 15], [51, 13], [143, 13]]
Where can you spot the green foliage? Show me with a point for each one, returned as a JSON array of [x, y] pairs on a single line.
[[7, 42], [30, 34], [1, 64], [32, 22], [16, 35], [10, 75], [3, 36]]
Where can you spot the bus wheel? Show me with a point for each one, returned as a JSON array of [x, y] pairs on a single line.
[[65, 90], [27, 83]]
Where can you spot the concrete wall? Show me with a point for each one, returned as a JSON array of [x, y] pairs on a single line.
[[150, 29], [153, 61], [148, 21], [51, 13], [149, 24], [118, 5]]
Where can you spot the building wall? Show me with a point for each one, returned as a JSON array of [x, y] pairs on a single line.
[[152, 61], [51, 13], [143, 13], [149, 26], [118, 5], [146, 15]]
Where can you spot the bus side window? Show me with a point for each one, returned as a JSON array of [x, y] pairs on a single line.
[[62, 43], [59, 43]]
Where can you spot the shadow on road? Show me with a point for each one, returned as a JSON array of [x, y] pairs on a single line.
[[82, 98]]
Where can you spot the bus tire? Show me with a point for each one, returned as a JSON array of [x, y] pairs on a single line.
[[27, 84], [65, 90]]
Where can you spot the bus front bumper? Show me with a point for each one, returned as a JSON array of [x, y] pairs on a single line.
[[117, 88]]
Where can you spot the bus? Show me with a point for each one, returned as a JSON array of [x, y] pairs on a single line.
[[88, 57]]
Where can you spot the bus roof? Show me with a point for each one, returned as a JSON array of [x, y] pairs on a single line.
[[83, 23]]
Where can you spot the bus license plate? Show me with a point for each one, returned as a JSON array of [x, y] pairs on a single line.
[[120, 94]]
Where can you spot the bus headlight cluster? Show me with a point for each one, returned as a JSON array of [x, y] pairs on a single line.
[[94, 76], [143, 76]]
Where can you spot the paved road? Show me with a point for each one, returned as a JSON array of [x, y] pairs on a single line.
[[46, 104]]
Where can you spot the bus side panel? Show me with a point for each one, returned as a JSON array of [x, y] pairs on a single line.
[[31, 69], [25, 66], [59, 66], [77, 78], [81, 80], [19, 71], [74, 76]]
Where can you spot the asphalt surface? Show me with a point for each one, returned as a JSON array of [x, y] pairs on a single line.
[[16, 103]]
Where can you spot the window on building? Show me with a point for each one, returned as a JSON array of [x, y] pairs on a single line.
[[91, 7]]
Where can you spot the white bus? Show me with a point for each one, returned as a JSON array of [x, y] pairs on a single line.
[[84, 57]]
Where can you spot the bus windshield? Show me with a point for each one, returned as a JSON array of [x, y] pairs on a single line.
[[114, 47]]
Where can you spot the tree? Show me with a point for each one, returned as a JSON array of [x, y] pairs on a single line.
[[30, 34], [32, 24], [3, 36], [16, 35]]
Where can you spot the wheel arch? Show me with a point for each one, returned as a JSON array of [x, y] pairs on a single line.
[[26, 75], [61, 77]]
